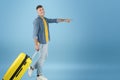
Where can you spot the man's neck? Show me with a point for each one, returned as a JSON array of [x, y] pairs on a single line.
[[41, 16]]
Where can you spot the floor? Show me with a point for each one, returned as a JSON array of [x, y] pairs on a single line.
[[75, 72], [79, 72]]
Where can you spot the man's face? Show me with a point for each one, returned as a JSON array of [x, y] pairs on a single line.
[[41, 12]]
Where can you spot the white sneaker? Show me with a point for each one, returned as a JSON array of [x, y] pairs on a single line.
[[30, 70], [41, 78]]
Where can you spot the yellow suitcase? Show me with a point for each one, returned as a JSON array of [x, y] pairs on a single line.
[[18, 68]]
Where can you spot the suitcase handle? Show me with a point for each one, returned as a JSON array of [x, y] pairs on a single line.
[[36, 52]]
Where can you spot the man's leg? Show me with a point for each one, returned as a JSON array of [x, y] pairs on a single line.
[[42, 58], [40, 62], [35, 58], [42, 55]]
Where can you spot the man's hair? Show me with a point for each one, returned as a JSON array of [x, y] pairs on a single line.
[[39, 6]]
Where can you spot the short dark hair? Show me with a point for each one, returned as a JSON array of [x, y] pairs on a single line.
[[39, 6]]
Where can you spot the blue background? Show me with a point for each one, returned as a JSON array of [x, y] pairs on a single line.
[[88, 48]]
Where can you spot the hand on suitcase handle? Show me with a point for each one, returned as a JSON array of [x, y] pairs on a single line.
[[36, 52], [37, 46]]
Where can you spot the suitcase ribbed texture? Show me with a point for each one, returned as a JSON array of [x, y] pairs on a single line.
[[18, 68]]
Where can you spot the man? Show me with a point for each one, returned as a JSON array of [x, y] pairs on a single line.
[[41, 39]]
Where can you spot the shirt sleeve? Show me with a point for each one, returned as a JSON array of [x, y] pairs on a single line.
[[51, 20], [36, 26]]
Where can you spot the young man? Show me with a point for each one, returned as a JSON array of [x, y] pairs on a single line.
[[41, 39]]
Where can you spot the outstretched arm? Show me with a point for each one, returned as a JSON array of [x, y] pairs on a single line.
[[63, 20], [57, 20]]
